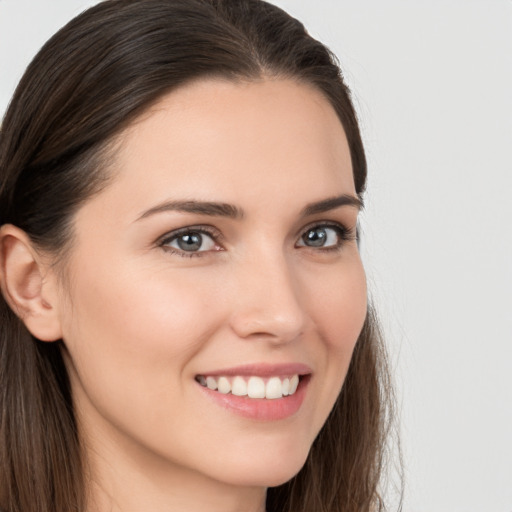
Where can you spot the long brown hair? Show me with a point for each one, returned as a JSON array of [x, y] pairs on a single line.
[[88, 82]]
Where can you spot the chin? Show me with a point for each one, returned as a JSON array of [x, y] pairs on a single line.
[[270, 471]]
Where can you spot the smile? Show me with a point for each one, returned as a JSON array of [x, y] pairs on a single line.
[[262, 392], [252, 386]]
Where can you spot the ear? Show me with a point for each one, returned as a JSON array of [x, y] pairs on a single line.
[[27, 284]]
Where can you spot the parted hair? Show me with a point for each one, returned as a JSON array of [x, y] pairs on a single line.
[[86, 85]]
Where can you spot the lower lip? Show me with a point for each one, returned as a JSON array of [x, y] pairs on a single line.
[[261, 408]]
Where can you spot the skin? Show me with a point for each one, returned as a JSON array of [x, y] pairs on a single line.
[[140, 322]]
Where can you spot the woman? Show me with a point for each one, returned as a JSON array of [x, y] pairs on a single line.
[[184, 314]]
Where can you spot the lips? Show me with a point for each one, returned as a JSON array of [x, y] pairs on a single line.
[[263, 392]]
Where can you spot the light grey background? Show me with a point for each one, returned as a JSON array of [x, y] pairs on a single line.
[[433, 87]]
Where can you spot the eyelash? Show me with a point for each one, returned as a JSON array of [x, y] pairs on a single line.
[[215, 235], [344, 234]]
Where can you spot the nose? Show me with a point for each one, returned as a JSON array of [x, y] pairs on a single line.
[[267, 300]]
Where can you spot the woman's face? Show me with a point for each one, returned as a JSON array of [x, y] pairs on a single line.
[[222, 252]]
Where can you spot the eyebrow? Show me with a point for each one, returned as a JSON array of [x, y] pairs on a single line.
[[231, 211], [200, 207], [331, 203]]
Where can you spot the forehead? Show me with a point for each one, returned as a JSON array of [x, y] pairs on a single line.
[[224, 140]]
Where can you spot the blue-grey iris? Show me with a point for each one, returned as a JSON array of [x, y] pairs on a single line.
[[190, 241], [315, 237]]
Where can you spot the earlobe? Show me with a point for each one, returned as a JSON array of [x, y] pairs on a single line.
[[26, 285]]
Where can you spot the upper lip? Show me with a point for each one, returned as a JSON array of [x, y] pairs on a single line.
[[262, 370]]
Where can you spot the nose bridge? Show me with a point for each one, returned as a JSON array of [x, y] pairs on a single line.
[[267, 302]]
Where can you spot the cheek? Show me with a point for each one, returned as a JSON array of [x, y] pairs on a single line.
[[131, 340], [140, 299], [338, 310], [127, 325], [340, 304]]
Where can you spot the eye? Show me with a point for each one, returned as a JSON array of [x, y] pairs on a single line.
[[189, 242], [323, 236]]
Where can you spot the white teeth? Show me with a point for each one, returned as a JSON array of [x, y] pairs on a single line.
[[286, 387], [254, 387], [224, 386], [294, 382], [274, 388], [211, 383], [239, 387]]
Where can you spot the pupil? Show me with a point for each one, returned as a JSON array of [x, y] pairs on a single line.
[[315, 237], [190, 242]]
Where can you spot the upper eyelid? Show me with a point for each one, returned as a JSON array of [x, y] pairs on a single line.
[[208, 230], [321, 223]]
